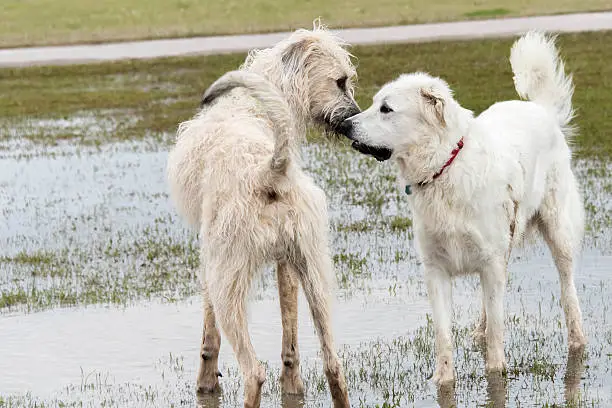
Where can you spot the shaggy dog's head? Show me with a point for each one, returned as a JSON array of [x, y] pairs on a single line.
[[414, 119], [314, 72]]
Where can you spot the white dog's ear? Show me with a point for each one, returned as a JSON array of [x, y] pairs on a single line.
[[433, 106]]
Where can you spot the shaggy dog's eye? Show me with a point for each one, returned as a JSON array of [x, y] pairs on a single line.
[[342, 83], [384, 108]]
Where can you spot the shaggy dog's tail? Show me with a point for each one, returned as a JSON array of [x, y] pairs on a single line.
[[539, 75], [276, 105]]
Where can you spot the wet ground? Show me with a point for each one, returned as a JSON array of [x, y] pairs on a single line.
[[99, 305]]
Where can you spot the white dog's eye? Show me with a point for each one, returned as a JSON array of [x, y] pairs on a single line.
[[384, 108]]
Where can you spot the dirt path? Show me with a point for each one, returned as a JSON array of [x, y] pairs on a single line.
[[240, 43]]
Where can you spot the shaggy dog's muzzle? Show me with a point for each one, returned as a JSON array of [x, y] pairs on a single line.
[[334, 122], [378, 152]]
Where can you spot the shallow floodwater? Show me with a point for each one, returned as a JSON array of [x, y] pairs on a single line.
[[45, 351], [99, 303]]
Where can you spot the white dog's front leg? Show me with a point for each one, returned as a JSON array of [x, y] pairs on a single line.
[[480, 331], [493, 281], [439, 293]]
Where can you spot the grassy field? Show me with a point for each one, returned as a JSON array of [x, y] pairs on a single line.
[[95, 260], [137, 99], [134, 101], [38, 22]]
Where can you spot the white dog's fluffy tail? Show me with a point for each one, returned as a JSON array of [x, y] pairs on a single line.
[[539, 75], [277, 110]]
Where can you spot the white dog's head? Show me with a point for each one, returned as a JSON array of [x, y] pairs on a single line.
[[413, 118], [314, 71]]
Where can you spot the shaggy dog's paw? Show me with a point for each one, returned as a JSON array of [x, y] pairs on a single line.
[[208, 384], [291, 383], [252, 387]]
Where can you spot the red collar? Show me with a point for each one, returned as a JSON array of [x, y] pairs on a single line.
[[451, 159], [438, 174]]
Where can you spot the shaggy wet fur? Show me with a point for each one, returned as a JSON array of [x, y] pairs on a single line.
[[235, 175], [511, 178]]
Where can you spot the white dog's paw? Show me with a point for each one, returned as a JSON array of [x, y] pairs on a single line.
[[497, 366], [576, 339], [479, 335], [444, 374], [577, 343]]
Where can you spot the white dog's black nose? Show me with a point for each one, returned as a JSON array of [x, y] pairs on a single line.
[[345, 128]]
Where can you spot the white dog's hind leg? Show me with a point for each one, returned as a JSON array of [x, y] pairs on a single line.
[[291, 382], [569, 299], [314, 268], [493, 280], [209, 353], [562, 232], [439, 293], [229, 290]]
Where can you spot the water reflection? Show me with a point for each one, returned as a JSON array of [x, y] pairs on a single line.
[[215, 400], [446, 396], [292, 401], [209, 400], [497, 389]]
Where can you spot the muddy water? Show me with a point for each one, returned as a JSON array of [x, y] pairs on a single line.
[[88, 210]]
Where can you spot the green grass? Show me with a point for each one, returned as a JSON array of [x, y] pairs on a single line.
[[149, 98], [488, 13], [120, 270], [371, 241], [36, 22]]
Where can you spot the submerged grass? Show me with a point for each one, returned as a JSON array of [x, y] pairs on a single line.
[[144, 99], [393, 372]]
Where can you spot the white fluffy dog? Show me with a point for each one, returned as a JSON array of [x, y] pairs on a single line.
[[235, 176], [478, 185]]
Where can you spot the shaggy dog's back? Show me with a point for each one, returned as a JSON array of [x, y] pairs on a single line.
[[240, 152]]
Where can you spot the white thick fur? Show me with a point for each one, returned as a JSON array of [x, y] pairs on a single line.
[[235, 175], [512, 177]]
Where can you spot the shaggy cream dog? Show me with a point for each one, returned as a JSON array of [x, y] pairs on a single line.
[[477, 186], [235, 175]]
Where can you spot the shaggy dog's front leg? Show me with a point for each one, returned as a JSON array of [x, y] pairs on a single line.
[[493, 279], [439, 293]]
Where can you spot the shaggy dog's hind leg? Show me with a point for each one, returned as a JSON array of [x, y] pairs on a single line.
[[291, 382], [229, 289], [208, 374], [314, 267]]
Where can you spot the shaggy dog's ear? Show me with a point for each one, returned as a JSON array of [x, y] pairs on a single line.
[[433, 104], [295, 57]]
